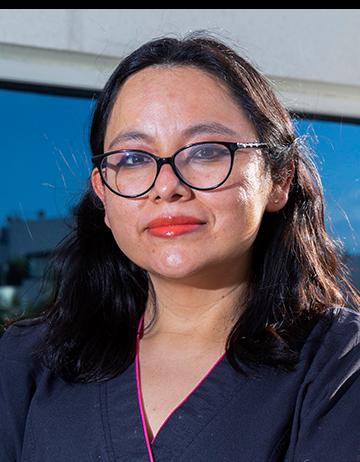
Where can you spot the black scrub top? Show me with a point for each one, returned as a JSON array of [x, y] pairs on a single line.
[[309, 415]]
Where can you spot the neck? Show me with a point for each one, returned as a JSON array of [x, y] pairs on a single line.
[[200, 313]]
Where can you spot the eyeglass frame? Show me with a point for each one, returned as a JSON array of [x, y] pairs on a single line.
[[160, 161]]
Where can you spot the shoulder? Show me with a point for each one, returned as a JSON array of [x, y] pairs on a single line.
[[345, 318], [20, 339], [341, 328], [20, 372], [326, 406], [331, 354]]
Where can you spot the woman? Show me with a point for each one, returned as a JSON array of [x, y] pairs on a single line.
[[200, 311]]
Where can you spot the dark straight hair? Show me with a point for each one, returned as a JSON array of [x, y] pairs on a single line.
[[296, 274]]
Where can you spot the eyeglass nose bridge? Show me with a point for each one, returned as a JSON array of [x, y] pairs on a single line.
[[160, 161]]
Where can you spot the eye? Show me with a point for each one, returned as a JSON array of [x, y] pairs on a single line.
[[207, 153], [133, 159]]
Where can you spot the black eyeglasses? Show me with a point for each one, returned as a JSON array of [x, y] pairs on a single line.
[[201, 166]]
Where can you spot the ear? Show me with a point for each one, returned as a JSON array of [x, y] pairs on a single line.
[[280, 192], [99, 189]]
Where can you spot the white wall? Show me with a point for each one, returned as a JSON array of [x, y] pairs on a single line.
[[310, 55]]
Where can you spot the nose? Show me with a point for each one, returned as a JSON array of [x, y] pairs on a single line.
[[169, 187]]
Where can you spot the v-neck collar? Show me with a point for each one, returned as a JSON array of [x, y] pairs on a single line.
[[124, 419]]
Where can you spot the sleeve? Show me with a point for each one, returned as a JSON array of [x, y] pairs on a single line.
[[328, 424], [16, 389]]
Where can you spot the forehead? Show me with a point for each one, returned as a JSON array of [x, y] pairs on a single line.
[[167, 99], [172, 79], [184, 86]]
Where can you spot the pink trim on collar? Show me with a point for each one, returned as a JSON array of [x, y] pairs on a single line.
[[138, 389]]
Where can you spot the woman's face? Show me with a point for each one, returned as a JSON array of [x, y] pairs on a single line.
[[159, 110]]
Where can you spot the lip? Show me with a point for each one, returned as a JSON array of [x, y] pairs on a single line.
[[173, 230], [171, 226], [172, 220]]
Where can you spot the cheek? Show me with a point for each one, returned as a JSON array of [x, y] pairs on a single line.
[[243, 208], [120, 218]]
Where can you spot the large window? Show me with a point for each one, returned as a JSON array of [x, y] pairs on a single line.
[[46, 163], [335, 144]]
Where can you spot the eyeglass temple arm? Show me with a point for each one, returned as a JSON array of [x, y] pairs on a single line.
[[251, 145]]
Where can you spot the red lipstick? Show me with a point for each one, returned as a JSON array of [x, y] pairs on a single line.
[[171, 226]]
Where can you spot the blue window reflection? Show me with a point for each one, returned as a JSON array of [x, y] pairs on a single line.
[[337, 155], [44, 145]]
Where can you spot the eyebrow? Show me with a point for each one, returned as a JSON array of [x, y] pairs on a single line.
[[213, 128]]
